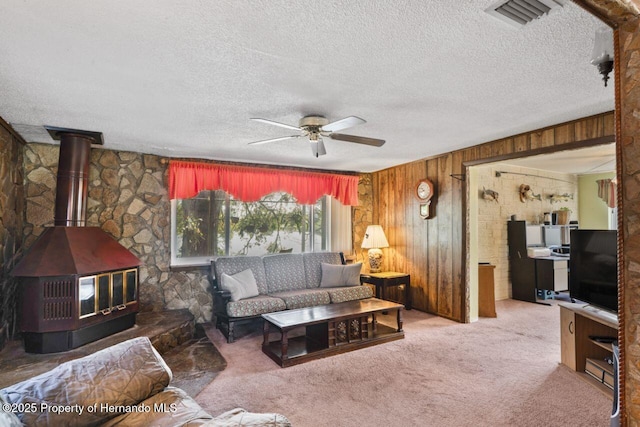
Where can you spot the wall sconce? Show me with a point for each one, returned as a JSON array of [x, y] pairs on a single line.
[[602, 56], [374, 239]]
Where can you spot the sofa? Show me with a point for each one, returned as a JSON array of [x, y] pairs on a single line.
[[245, 287], [123, 385]]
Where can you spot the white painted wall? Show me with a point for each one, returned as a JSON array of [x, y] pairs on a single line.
[[493, 216]]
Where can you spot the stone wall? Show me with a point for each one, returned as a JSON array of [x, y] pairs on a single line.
[[629, 146], [127, 198], [11, 207], [362, 216], [625, 15]]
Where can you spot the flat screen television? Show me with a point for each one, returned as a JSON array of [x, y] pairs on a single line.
[[593, 268]]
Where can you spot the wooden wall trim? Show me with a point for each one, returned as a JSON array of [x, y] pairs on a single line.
[[620, 242], [12, 131]]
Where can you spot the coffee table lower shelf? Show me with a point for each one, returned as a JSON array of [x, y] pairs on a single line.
[[301, 349], [320, 333]]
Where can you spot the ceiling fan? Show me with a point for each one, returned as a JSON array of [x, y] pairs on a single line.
[[317, 127]]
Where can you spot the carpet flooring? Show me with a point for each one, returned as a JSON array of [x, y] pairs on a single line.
[[495, 372]]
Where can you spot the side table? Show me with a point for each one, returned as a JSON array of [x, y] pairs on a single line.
[[387, 279]]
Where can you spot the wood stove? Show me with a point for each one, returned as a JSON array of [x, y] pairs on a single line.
[[77, 283]]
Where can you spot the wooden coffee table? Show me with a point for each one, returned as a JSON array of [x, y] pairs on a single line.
[[328, 330]]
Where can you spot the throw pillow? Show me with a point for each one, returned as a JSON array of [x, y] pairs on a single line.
[[241, 285], [334, 275]]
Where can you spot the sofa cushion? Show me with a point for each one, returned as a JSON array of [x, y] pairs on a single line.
[[171, 407], [241, 285], [255, 306], [285, 272], [312, 265], [300, 298], [334, 276], [231, 265], [349, 293], [122, 375]]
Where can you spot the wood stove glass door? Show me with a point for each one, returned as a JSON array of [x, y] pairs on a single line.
[[87, 296], [132, 285], [104, 293], [118, 289]]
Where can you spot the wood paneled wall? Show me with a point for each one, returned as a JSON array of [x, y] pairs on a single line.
[[434, 250]]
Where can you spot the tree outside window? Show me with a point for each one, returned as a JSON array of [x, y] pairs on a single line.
[[213, 223]]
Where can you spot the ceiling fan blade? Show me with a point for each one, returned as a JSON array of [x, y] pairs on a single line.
[[347, 122], [317, 148], [358, 139], [271, 122], [264, 141]]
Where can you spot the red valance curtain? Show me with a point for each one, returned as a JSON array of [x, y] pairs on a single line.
[[249, 184]]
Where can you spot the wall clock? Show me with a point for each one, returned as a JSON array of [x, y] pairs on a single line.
[[424, 192]]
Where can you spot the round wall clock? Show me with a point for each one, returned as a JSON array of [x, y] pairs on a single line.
[[424, 192]]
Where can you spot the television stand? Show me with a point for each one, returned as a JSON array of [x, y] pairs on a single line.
[[582, 332]]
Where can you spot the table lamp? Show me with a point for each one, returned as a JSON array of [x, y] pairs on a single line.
[[374, 239]]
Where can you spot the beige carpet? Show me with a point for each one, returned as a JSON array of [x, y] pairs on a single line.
[[495, 372]]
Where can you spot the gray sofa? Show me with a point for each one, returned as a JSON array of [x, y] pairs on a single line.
[[124, 385], [283, 282]]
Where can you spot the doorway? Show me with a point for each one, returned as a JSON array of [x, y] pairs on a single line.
[[562, 179]]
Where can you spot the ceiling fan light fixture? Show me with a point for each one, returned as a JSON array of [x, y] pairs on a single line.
[[317, 147]]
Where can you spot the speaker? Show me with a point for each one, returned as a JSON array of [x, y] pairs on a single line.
[[615, 412]]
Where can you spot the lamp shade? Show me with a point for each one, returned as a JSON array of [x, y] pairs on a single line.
[[374, 238]]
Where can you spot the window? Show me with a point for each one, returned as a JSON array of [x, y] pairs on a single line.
[[213, 224]]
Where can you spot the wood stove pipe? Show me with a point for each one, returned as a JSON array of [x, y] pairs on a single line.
[[73, 180], [73, 175]]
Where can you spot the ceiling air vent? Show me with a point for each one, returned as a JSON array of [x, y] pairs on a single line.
[[521, 12]]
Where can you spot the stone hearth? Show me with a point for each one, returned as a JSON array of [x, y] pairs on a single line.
[[193, 359]]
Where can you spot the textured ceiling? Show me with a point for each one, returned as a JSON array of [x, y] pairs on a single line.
[[584, 161], [183, 78]]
